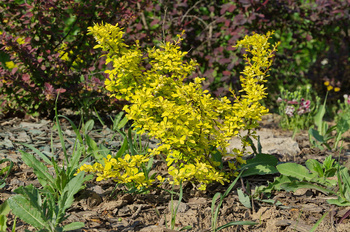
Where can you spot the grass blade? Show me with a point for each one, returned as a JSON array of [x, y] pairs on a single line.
[[241, 223], [318, 222], [39, 153]]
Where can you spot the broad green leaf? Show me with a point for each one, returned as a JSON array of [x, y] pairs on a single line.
[[40, 170], [339, 202], [262, 164], [73, 186], [244, 198], [295, 185], [316, 135], [23, 208], [31, 193], [315, 167], [73, 226], [295, 170], [4, 208], [3, 221], [116, 121], [91, 143], [276, 185], [89, 125]]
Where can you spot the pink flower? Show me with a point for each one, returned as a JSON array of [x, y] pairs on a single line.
[[305, 104], [290, 110], [293, 102]]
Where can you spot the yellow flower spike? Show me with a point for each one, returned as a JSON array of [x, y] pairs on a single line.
[[336, 89]]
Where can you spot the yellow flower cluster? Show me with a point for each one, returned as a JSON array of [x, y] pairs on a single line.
[[122, 170], [188, 121]]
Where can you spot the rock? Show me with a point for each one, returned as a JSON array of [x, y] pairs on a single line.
[[183, 207], [270, 144]]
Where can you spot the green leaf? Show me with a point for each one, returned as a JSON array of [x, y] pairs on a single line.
[[40, 170], [318, 222], [123, 148], [250, 141], [339, 202], [295, 185], [318, 119], [228, 190], [4, 208], [186, 228], [244, 198], [31, 193], [276, 185], [316, 135], [73, 226], [131, 147], [240, 223], [93, 148], [122, 123], [295, 170], [261, 164], [89, 125], [73, 186], [23, 208], [77, 133], [315, 167], [7, 170], [74, 161], [39, 153], [3, 221], [217, 157]]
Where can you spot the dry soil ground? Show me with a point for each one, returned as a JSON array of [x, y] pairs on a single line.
[[102, 209]]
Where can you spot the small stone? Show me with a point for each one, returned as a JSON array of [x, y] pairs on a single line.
[[183, 207]]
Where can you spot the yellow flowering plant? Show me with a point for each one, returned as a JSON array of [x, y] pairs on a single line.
[[192, 126]]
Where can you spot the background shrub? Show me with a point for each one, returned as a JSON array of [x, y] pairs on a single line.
[[57, 53], [46, 51], [314, 39]]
